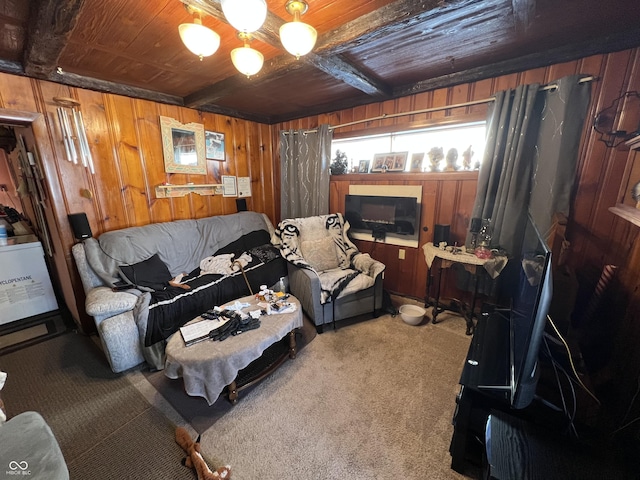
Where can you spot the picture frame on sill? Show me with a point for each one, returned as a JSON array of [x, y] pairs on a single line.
[[183, 147], [214, 142], [390, 162], [416, 162], [379, 163], [363, 166]]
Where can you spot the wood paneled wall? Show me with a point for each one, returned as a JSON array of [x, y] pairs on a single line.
[[125, 141], [597, 236], [447, 198]]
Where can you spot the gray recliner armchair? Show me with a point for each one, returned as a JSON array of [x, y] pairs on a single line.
[[329, 276]]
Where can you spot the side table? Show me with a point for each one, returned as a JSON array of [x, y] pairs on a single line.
[[472, 264]]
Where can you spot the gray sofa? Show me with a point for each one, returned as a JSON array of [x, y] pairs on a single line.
[[181, 245]]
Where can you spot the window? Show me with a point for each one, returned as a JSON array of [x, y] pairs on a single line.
[[446, 148]]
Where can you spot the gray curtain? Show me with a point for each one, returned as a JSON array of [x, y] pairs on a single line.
[[305, 157], [530, 158], [562, 119]]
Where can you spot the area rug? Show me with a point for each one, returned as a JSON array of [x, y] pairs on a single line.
[[195, 410], [373, 399]]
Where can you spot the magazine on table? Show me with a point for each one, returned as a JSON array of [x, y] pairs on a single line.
[[198, 331]]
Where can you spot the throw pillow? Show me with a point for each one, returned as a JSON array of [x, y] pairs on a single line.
[[320, 254], [149, 275], [265, 253]]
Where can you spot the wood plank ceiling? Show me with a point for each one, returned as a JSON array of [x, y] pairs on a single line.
[[367, 50]]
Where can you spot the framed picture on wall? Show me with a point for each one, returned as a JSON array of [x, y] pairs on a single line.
[[214, 145], [183, 147]]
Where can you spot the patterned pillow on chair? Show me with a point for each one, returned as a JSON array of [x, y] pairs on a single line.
[[320, 254]]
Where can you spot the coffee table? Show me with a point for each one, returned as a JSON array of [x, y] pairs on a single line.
[[208, 367]]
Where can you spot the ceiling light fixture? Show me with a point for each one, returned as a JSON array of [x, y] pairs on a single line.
[[247, 60], [245, 15], [297, 37], [201, 40]]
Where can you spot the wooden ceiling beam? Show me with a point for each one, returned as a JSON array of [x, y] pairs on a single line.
[[524, 12], [610, 43], [386, 20], [325, 56], [334, 66], [90, 83], [337, 67], [50, 25], [273, 68], [566, 53], [80, 81]]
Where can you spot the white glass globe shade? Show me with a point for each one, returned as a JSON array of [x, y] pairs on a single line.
[[298, 38], [247, 60], [245, 15], [201, 40]]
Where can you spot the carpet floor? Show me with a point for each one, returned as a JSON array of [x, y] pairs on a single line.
[[105, 427], [374, 399]]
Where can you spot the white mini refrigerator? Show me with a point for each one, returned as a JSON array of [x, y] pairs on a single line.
[[25, 285]]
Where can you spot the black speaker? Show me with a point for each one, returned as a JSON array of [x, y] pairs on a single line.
[[441, 234], [241, 204], [80, 225]]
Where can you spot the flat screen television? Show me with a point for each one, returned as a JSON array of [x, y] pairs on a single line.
[[528, 316], [392, 215], [503, 355]]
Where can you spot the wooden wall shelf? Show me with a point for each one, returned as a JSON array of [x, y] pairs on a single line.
[[170, 191], [630, 214], [633, 143], [625, 210]]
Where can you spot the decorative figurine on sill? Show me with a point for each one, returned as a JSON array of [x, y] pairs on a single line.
[[635, 194], [436, 154], [466, 158], [340, 164], [452, 159]]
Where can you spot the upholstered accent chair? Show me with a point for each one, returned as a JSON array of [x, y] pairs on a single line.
[[329, 276]]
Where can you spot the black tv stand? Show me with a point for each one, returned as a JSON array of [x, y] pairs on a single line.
[[527, 443], [484, 382], [520, 449], [485, 387]]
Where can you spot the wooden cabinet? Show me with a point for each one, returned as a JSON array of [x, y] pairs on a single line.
[[626, 206]]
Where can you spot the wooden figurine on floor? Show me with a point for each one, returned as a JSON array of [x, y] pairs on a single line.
[[195, 460]]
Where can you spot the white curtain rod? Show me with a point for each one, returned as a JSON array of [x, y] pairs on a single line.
[[384, 116]]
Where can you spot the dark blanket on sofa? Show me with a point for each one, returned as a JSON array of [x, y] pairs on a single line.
[[171, 308]]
